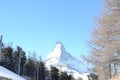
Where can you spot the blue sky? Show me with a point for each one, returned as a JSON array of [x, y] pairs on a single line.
[[36, 25]]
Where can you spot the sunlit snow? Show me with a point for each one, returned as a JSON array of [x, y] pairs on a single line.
[[66, 62], [9, 74]]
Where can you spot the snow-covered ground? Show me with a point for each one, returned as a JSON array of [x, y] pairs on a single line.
[[9, 74]]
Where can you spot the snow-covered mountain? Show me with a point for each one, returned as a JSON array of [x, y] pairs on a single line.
[[64, 61]]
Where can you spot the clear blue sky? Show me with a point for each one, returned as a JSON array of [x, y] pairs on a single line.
[[36, 25]]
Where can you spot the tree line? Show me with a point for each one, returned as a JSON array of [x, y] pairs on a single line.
[[17, 62]]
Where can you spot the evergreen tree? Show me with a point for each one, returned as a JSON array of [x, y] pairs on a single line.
[[19, 60], [7, 58], [42, 70], [16, 61], [70, 77], [23, 61], [54, 73], [30, 68], [65, 76]]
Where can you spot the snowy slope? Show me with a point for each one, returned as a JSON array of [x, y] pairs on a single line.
[[8, 74], [66, 62]]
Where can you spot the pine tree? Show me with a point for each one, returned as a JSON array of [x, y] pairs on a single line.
[[42, 70], [65, 76], [7, 58], [30, 68], [54, 73], [22, 63], [19, 60]]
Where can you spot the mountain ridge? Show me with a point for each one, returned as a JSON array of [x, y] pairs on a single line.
[[64, 61]]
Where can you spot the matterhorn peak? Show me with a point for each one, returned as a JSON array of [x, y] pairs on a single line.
[[59, 46], [64, 61], [57, 51], [58, 43]]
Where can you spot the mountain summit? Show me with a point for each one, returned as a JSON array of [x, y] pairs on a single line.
[[64, 61], [57, 51]]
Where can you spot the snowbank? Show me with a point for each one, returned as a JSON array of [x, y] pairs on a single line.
[[9, 74]]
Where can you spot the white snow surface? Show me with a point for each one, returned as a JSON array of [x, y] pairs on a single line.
[[66, 62], [9, 74]]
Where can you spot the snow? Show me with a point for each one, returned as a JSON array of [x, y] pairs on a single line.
[[59, 48], [64, 61], [9, 74]]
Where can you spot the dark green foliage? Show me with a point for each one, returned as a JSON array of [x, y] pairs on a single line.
[[10, 59], [70, 77], [36, 70], [42, 70], [30, 68], [7, 53], [7, 58], [19, 54], [23, 60], [54, 73], [65, 76]]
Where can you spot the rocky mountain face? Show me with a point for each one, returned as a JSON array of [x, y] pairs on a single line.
[[64, 61]]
